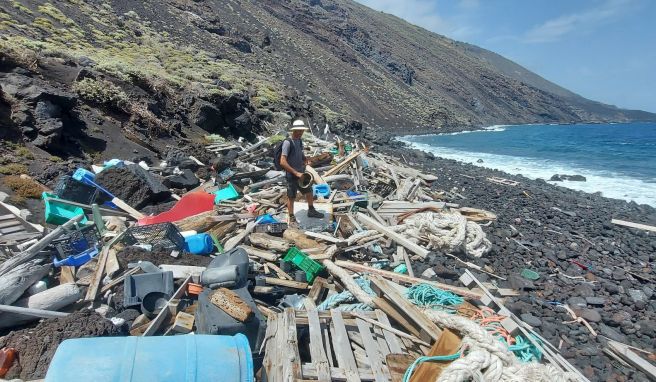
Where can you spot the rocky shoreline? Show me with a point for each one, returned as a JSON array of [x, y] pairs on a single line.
[[603, 272]]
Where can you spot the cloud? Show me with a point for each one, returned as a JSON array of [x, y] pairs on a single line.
[[585, 21], [426, 14]]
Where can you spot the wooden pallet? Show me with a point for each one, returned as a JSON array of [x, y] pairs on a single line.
[[331, 346], [515, 326], [14, 229]]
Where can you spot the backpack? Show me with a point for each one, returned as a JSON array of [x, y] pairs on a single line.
[[277, 153]]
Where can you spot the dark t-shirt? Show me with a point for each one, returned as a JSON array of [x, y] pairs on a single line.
[[295, 156]]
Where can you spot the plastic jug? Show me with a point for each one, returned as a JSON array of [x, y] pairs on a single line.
[[199, 244], [187, 358]]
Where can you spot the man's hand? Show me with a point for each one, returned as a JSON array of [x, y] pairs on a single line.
[[298, 174]]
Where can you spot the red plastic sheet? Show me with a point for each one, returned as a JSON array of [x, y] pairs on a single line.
[[189, 205]]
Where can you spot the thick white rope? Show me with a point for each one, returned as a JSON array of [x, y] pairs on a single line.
[[487, 358], [449, 232]]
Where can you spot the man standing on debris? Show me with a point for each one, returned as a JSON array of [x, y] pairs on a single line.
[[293, 161]]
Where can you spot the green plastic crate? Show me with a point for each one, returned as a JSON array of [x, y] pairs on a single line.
[[59, 213], [302, 261]]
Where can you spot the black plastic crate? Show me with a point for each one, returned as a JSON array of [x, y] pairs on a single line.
[[273, 228], [160, 236], [77, 241], [70, 189]]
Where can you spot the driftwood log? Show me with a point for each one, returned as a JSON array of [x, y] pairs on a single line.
[[16, 281], [266, 241], [301, 240], [50, 299], [201, 222]]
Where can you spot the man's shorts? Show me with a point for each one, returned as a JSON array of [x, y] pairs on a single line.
[[293, 187]]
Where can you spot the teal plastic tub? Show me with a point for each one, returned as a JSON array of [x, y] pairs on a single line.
[[59, 213], [184, 358], [227, 193]]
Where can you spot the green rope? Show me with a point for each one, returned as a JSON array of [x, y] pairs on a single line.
[[401, 268], [525, 350], [420, 360], [430, 296]]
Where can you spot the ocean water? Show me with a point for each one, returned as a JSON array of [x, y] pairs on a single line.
[[618, 160]]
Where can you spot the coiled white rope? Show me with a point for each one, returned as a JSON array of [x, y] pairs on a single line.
[[488, 359], [449, 232]]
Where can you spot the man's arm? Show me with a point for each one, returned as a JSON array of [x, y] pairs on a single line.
[[287, 167]]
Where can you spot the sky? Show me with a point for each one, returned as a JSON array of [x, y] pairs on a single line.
[[604, 50]]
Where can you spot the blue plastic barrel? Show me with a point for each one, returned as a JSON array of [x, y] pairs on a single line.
[[199, 244], [185, 358]]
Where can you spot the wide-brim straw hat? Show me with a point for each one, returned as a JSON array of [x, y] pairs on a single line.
[[299, 125]]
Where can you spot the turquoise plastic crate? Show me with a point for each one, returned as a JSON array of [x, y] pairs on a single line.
[[227, 193], [59, 213], [305, 263]]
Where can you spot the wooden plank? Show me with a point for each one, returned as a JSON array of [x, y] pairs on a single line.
[[66, 274], [397, 237], [392, 341], [262, 254], [291, 356], [317, 350], [634, 225], [391, 311], [329, 349], [373, 353], [9, 230], [398, 364], [94, 284], [119, 279], [345, 358], [286, 283], [270, 345], [10, 223], [282, 274], [380, 340], [464, 292], [323, 237], [634, 359], [166, 312], [389, 328], [448, 344], [337, 373], [402, 252], [412, 312]]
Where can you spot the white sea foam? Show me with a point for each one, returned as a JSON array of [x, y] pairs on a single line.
[[609, 184]]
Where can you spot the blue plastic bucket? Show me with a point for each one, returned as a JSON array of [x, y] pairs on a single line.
[[322, 190], [81, 175], [189, 358], [199, 244]]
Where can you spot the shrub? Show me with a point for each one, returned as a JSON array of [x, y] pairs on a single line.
[[25, 188], [102, 92], [24, 152], [13, 169]]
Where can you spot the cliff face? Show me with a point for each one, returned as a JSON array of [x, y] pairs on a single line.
[[180, 68]]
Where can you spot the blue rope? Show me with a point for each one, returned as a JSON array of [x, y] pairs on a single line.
[[346, 296], [430, 296], [418, 361]]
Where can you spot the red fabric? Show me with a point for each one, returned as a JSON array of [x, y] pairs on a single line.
[[189, 205]]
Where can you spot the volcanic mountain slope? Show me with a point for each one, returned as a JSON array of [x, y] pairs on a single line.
[[175, 68]]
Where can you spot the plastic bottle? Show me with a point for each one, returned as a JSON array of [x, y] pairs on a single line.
[[7, 357]]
